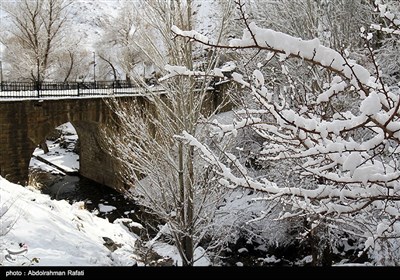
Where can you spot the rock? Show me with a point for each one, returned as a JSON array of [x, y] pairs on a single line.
[[110, 244]]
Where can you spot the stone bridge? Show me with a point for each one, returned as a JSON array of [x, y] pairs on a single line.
[[24, 124]]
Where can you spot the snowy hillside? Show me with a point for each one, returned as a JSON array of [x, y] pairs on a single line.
[[88, 13], [208, 16], [89, 19]]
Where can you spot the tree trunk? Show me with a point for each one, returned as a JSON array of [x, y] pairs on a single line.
[[71, 66], [44, 147], [181, 182], [189, 250]]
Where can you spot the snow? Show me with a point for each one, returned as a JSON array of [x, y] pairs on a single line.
[[59, 234], [239, 79], [182, 70], [87, 15], [83, 94], [64, 159], [68, 129], [287, 45], [271, 259], [74, 236], [336, 86], [371, 105], [352, 161], [56, 233], [193, 34], [106, 208], [381, 228], [67, 161], [258, 78], [167, 250], [242, 250], [208, 17], [307, 49], [228, 66]]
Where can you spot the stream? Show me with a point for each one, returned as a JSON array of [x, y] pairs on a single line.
[[62, 155], [102, 200], [107, 203]]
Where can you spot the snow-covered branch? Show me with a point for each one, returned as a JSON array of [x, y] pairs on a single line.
[[312, 51], [344, 135], [393, 26]]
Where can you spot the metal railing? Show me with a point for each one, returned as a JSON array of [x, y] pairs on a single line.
[[21, 90]]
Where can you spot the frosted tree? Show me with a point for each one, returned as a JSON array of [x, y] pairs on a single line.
[[162, 172], [335, 23], [119, 37], [34, 36], [388, 54], [338, 141]]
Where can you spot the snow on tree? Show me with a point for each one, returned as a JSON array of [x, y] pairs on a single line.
[[388, 54], [335, 23], [340, 140], [36, 45], [162, 172], [119, 31]]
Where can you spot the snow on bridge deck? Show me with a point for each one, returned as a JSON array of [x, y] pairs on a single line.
[[13, 95]]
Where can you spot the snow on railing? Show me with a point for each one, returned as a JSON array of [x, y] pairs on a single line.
[[29, 90]]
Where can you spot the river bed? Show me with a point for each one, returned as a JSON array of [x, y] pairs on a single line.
[[56, 173], [104, 201], [107, 203]]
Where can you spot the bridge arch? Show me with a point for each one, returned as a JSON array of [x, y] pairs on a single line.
[[62, 137], [24, 124]]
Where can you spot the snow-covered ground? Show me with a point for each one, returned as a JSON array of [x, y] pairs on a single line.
[[40, 231], [37, 230], [64, 158], [47, 232], [56, 233]]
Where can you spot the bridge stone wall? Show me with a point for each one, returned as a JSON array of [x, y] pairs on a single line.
[[25, 124]]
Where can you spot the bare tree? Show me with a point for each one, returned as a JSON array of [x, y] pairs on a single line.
[[34, 36], [117, 47], [71, 65], [166, 175]]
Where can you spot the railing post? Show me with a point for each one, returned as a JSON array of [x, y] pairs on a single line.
[[77, 88], [38, 89]]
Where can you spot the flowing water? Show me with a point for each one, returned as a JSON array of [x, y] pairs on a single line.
[[104, 201], [108, 203]]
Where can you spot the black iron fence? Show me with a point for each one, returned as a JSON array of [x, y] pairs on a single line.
[[67, 89]]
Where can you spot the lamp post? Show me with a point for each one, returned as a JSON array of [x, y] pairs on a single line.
[[38, 77], [94, 66], [1, 75], [1, 71]]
